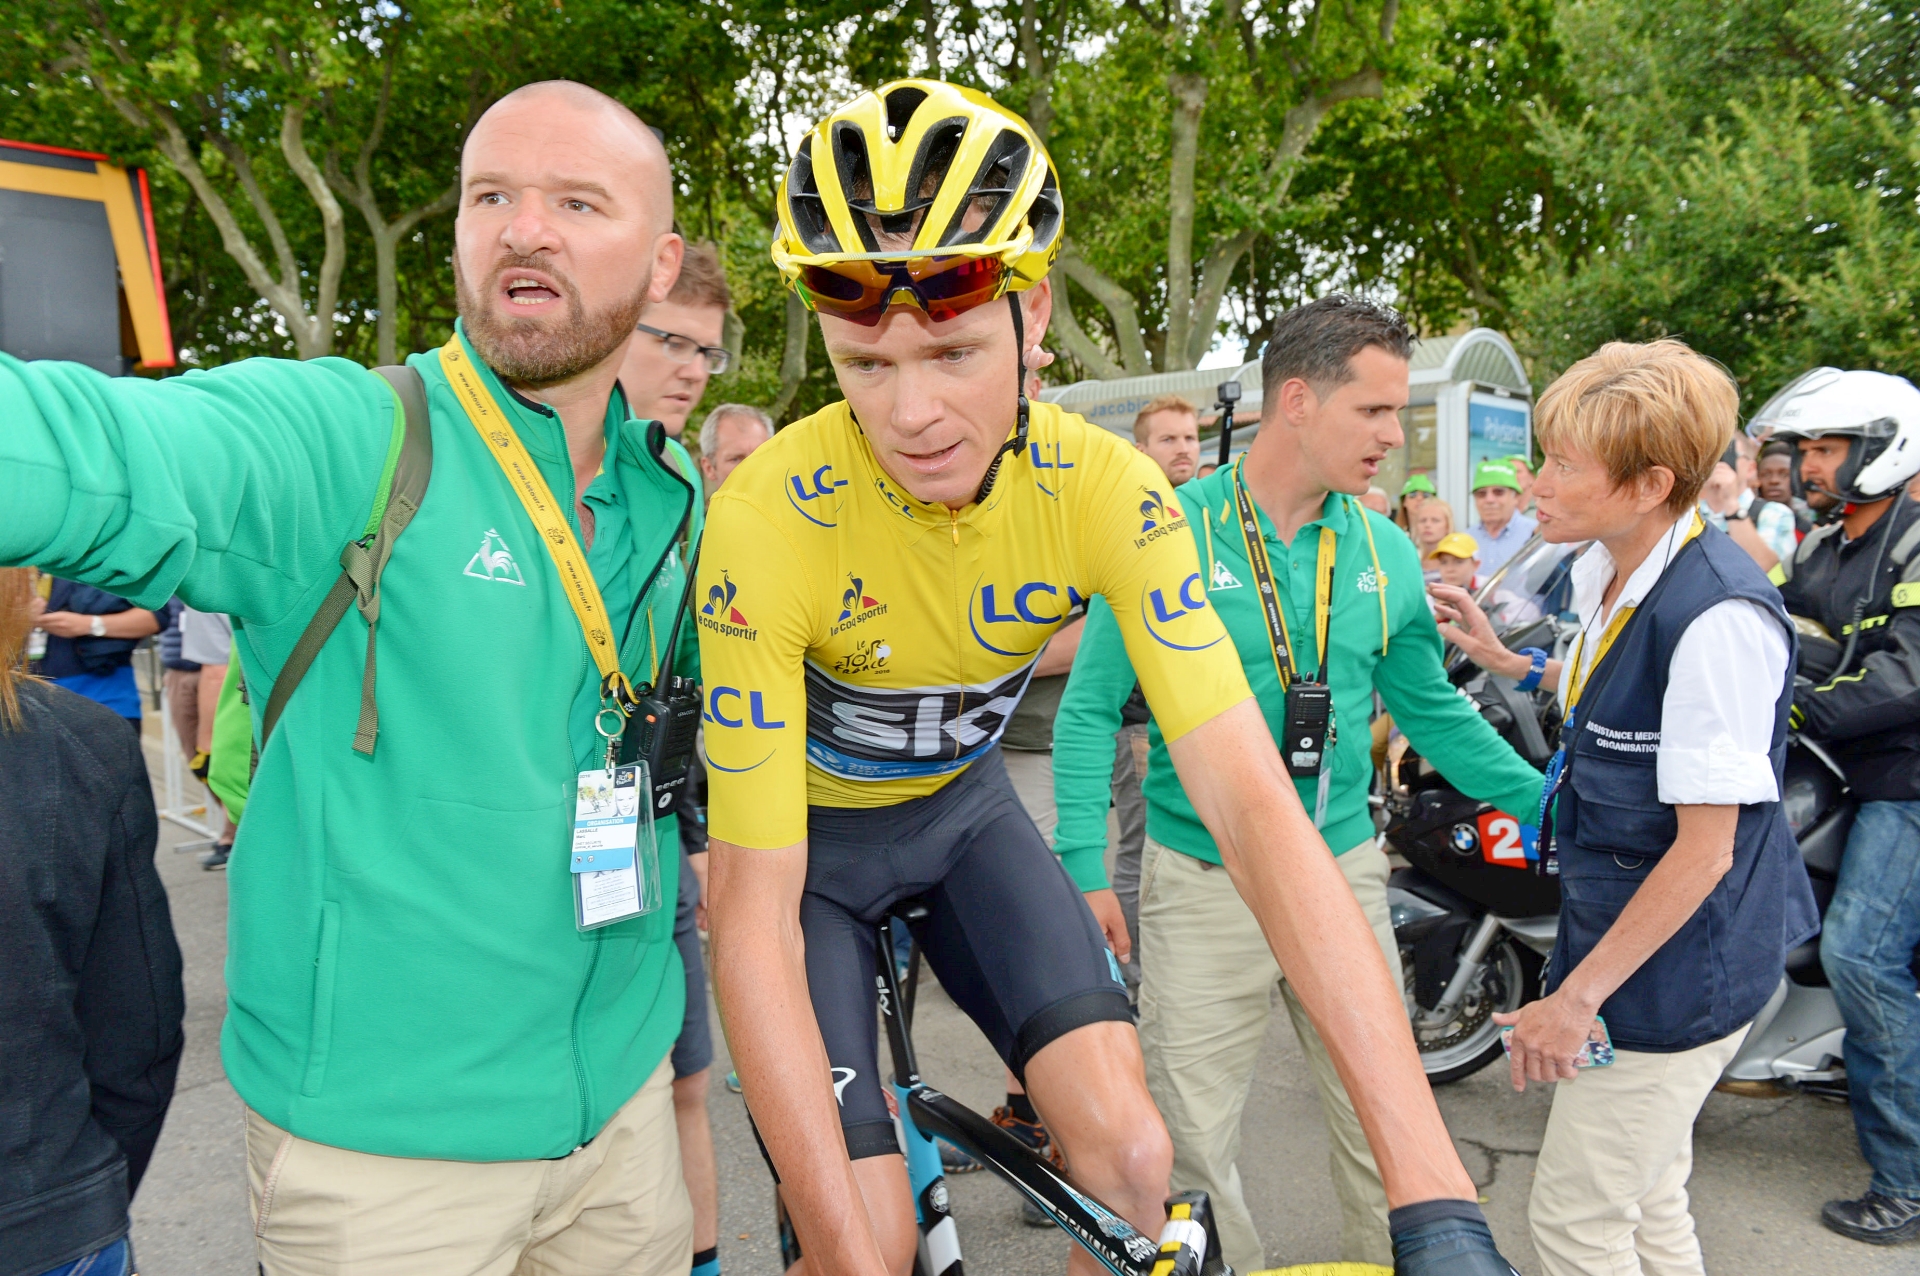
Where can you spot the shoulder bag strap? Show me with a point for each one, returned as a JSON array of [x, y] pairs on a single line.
[[402, 488]]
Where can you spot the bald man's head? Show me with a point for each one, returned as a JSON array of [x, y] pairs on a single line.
[[564, 233]]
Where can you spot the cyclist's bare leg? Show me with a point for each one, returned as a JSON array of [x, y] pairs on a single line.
[[889, 1198], [1090, 1087]]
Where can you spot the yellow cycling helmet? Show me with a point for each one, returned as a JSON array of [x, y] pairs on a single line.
[[918, 187]]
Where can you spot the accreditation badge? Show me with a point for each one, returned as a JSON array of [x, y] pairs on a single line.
[[615, 857]]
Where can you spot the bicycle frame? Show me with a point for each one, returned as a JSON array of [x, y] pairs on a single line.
[[1188, 1245]]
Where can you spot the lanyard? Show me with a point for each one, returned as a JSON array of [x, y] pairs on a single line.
[[1558, 765], [548, 519], [1283, 661], [1577, 680]]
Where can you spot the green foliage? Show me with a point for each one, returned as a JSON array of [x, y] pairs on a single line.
[[1742, 176], [1742, 173]]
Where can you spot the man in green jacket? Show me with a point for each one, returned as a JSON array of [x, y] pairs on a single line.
[[443, 1070], [1334, 380]]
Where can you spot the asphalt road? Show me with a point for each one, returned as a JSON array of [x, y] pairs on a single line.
[[1761, 1167]]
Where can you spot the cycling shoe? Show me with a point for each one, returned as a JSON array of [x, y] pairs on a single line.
[[1444, 1238]]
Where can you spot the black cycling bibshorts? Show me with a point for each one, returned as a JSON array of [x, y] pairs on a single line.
[[1007, 932]]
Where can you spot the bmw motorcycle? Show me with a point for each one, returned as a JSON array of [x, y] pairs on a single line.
[[1475, 915]]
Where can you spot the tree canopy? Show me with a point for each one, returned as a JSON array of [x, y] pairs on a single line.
[[1739, 173]]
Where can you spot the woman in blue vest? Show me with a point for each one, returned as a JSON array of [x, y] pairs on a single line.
[[1682, 887]]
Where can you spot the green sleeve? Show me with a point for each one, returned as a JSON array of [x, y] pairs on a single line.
[[1083, 734], [233, 489], [230, 761], [1442, 724]]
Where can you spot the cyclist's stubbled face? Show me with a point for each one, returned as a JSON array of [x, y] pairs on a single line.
[[564, 232], [935, 400]]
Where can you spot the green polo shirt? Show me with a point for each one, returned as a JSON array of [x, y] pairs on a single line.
[[1398, 656]]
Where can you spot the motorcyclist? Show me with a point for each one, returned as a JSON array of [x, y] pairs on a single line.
[[1858, 575]]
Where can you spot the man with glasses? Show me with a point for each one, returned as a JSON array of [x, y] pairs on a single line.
[[676, 346], [877, 583], [674, 349]]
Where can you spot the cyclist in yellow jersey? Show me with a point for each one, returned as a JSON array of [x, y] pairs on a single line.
[[875, 587]]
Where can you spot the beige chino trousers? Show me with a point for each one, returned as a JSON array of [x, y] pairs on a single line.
[[1610, 1190], [1208, 987], [615, 1204]]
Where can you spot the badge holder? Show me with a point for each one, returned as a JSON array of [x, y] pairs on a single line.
[[616, 856]]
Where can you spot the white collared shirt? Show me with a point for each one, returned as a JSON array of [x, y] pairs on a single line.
[[1716, 722]]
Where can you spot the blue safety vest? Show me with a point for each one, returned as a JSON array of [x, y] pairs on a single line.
[[1611, 828]]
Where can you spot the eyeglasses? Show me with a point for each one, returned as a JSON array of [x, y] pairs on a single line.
[[860, 289], [682, 349]]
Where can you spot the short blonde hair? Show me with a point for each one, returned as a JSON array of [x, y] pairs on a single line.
[[1634, 406], [1432, 505], [1165, 403]]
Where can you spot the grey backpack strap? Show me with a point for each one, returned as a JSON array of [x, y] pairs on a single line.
[[402, 487]]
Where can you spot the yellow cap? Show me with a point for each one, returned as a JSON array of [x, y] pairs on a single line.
[[1458, 545]]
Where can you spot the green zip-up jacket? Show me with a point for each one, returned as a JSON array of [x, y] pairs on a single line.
[[1408, 674], [404, 974]]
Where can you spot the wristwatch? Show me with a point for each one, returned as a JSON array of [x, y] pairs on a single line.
[[99, 627], [1536, 666]]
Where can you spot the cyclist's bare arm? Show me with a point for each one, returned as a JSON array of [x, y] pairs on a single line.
[[1278, 861], [760, 978]]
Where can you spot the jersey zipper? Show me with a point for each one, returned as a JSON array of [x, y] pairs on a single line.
[[959, 648], [585, 1131]]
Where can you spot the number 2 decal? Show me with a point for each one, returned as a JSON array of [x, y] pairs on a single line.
[[1503, 841]]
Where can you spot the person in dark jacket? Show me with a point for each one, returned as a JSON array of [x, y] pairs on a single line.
[[1681, 885], [90, 991], [1858, 436], [91, 635]]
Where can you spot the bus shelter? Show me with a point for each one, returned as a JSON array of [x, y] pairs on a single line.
[[1469, 400]]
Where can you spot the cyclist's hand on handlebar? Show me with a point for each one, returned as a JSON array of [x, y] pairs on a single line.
[[1444, 1238], [1113, 923]]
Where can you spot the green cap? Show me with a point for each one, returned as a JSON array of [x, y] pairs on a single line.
[[1418, 483], [1495, 474]]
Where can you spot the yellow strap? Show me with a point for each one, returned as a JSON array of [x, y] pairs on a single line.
[[1322, 586], [1323, 594], [1578, 680], [548, 518]]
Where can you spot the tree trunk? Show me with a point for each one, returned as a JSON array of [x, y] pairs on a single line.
[[1072, 338], [1189, 100], [1119, 306], [793, 360]]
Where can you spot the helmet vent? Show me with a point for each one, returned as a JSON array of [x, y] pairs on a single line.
[[856, 178], [901, 104], [808, 210], [991, 190]]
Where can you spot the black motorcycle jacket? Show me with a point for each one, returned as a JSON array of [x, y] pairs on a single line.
[[1867, 713]]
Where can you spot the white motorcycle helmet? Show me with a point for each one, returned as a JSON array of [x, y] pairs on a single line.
[[1880, 410]]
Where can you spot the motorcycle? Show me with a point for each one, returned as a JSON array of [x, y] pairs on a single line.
[[1475, 917]]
